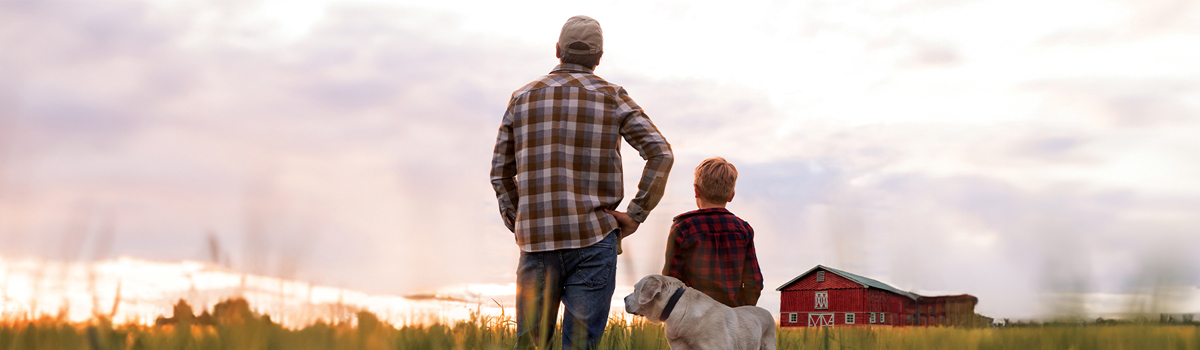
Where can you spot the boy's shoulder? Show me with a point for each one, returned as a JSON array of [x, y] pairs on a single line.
[[710, 214]]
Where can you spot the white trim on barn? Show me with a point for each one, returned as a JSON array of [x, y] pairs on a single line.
[[820, 320]]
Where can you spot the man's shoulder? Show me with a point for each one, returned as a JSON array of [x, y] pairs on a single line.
[[570, 78], [543, 82]]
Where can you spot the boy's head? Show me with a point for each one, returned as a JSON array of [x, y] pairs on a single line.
[[715, 179]]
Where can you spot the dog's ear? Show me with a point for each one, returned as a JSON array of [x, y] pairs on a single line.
[[650, 289]]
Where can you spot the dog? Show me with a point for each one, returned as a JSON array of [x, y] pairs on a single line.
[[696, 321]]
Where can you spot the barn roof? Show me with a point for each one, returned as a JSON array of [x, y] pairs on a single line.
[[864, 281]]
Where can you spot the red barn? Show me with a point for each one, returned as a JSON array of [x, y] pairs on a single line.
[[825, 296]]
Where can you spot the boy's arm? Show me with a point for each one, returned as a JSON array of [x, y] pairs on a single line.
[[640, 133], [674, 260], [752, 280], [504, 170]]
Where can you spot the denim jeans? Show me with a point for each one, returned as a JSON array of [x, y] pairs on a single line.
[[581, 279]]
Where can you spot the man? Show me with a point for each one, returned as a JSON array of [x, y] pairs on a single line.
[[557, 175]]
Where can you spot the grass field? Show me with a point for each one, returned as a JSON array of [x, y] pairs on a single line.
[[241, 329]]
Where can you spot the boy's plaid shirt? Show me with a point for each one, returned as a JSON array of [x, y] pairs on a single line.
[[557, 162], [712, 250]]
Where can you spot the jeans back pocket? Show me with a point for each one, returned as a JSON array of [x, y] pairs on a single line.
[[596, 264]]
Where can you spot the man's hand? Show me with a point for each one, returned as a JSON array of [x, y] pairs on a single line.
[[628, 226]]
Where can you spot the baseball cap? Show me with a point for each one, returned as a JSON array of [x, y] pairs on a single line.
[[582, 29]]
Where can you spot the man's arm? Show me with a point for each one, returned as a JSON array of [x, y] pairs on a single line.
[[504, 171], [626, 223], [640, 133]]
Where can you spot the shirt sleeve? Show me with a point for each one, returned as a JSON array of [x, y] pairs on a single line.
[[674, 259], [752, 279], [640, 133], [504, 170]]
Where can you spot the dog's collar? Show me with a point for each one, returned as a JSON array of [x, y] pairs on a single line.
[[671, 304]]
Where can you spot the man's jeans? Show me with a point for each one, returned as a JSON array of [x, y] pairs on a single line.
[[582, 279]]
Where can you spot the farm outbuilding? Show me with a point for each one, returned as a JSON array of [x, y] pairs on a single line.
[[825, 296]]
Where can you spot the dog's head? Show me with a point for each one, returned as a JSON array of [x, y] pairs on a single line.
[[650, 296]]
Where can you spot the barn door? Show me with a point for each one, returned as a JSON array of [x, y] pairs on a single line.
[[820, 320]]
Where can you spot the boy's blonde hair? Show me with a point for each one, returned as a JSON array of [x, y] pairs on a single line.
[[716, 177]]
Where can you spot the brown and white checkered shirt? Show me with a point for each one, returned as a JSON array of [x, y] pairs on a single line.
[[557, 163]]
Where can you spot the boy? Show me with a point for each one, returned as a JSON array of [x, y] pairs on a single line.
[[710, 249]]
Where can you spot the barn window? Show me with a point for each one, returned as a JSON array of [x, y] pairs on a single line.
[[849, 318], [872, 317], [882, 318], [822, 301], [820, 276], [792, 317]]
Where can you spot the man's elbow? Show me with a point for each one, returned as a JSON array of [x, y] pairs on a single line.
[[666, 157]]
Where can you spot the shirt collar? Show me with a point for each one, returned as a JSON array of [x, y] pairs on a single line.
[[702, 211], [571, 68]]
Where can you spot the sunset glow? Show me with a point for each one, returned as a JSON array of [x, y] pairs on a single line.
[[144, 290], [1040, 155]]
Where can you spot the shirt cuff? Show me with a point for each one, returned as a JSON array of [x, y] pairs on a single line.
[[637, 213], [510, 221]]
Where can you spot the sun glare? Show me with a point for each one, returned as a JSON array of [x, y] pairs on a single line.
[[128, 290], [293, 19]]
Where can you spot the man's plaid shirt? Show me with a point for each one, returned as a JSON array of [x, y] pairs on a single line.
[[557, 163], [712, 250]]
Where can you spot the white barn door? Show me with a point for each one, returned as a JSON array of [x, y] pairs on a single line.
[[820, 320]]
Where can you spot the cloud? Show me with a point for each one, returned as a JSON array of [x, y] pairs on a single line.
[[1164, 16], [1128, 22], [1011, 213], [1127, 103], [1003, 243], [81, 33], [359, 130], [354, 148]]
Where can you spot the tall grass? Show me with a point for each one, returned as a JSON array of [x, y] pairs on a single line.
[[236, 328], [240, 329], [1126, 336]]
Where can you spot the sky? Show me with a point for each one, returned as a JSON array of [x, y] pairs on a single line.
[[1040, 155]]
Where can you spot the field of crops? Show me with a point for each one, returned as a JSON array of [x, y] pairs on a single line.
[[236, 329]]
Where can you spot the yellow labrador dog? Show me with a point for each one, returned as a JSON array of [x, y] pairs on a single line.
[[696, 321]]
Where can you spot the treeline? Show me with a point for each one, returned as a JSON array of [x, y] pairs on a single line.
[[1162, 319]]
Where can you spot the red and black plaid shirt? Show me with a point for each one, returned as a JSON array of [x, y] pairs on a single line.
[[712, 250]]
